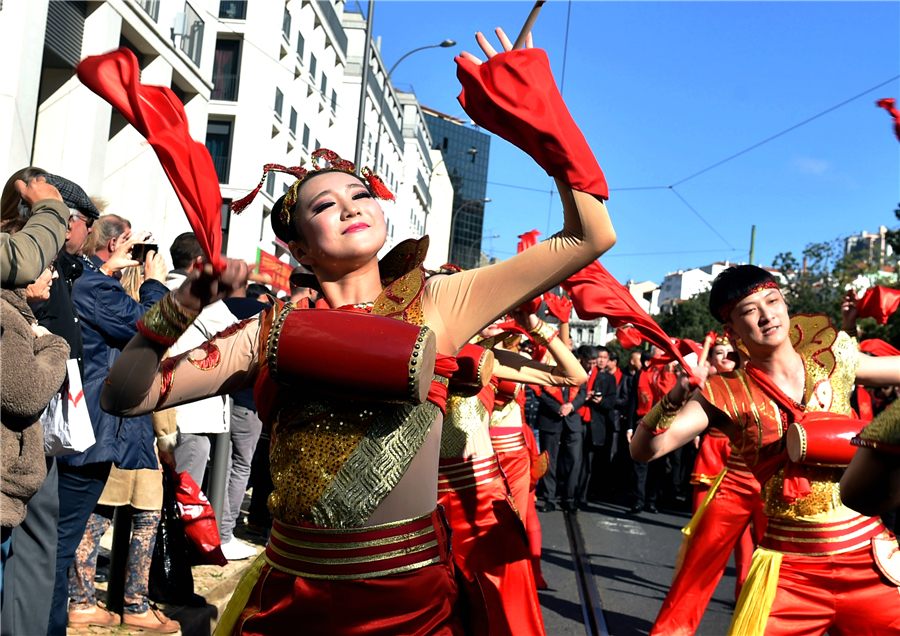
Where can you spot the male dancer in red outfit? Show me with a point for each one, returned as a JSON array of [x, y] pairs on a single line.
[[817, 569]]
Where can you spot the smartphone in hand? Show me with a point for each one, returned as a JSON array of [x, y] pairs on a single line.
[[139, 251]]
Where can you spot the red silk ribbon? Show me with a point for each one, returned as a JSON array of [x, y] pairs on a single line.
[[158, 115], [888, 105], [879, 303], [514, 95]]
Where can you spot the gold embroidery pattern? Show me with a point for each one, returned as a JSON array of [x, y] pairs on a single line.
[[884, 429], [353, 577], [465, 415], [825, 496], [375, 466]]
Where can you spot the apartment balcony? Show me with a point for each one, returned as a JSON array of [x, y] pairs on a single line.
[[225, 88]]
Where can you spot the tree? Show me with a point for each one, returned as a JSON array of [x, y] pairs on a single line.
[[689, 319]]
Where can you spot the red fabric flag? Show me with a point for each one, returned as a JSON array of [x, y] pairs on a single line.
[[878, 347], [158, 115], [515, 96], [596, 293], [888, 105], [629, 337], [560, 307], [879, 303]]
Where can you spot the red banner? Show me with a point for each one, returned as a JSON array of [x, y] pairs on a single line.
[[278, 270]]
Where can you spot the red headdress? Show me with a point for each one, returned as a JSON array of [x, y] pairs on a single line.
[[332, 162]]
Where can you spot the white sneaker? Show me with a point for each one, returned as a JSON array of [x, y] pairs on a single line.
[[236, 550]]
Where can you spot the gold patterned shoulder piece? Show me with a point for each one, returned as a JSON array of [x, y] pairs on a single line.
[[465, 415], [509, 410], [402, 299], [831, 358], [402, 259]]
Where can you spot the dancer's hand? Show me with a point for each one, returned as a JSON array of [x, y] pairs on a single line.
[[202, 287], [848, 309], [489, 50]]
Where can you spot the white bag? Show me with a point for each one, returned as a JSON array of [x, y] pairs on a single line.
[[66, 420]]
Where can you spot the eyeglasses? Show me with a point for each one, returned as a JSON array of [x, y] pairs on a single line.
[[88, 220]]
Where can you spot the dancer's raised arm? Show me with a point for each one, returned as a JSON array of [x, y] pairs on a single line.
[[507, 95]]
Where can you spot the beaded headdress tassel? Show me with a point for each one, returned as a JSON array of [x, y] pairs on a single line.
[[331, 161]]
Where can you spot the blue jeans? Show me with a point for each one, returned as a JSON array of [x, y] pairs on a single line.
[[80, 488]]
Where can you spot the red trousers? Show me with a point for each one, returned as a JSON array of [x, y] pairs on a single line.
[[720, 530], [489, 542], [516, 466], [843, 594]]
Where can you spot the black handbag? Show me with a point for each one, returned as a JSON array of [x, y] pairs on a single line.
[[171, 580]]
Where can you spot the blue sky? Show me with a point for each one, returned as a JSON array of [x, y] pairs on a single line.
[[663, 90]]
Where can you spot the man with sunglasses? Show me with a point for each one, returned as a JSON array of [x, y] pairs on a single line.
[[26, 597]]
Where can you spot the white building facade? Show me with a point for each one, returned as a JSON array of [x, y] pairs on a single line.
[[262, 82]]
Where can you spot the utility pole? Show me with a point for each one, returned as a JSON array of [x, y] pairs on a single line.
[[752, 242], [363, 86]]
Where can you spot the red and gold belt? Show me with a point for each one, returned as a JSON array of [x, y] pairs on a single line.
[[821, 539], [508, 443], [735, 464], [358, 553], [459, 474]]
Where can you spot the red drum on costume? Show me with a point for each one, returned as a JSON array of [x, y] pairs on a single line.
[[506, 391], [352, 355], [821, 439], [475, 367]]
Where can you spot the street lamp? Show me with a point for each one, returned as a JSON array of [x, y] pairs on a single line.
[[462, 206], [445, 44]]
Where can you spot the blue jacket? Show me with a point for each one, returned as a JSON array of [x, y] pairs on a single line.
[[108, 321]]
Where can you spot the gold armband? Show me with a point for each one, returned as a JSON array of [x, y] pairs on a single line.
[[543, 334], [166, 321], [659, 419], [882, 433]]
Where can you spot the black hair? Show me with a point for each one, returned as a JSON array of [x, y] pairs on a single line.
[[613, 355], [601, 349], [734, 284], [587, 352], [645, 357], [291, 231], [255, 290], [185, 250]]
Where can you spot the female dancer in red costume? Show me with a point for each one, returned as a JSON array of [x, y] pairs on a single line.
[[489, 541], [727, 504], [358, 546]]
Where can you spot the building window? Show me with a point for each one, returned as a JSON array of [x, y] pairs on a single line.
[[446, 143], [312, 66], [293, 123], [234, 10], [300, 44], [324, 85], [317, 146], [333, 101], [226, 223], [218, 142], [225, 70], [270, 184], [262, 226], [192, 34], [151, 7], [279, 101], [306, 136], [286, 24]]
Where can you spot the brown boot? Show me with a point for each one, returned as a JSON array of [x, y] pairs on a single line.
[[153, 620], [96, 615]]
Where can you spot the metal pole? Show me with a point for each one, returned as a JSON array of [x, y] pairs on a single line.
[[118, 559], [752, 243], [364, 84], [221, 453]]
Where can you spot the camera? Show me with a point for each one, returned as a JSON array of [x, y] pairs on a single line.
[[139, 251]]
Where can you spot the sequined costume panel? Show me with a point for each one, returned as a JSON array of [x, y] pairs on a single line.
[[334, 460], [465, 415]]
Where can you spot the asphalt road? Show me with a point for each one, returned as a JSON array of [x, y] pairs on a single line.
[[632, 557]]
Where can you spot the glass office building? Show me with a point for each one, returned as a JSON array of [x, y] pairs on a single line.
[[468, 171]]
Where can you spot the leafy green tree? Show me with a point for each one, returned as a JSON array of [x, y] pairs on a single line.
[[689, 319]]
